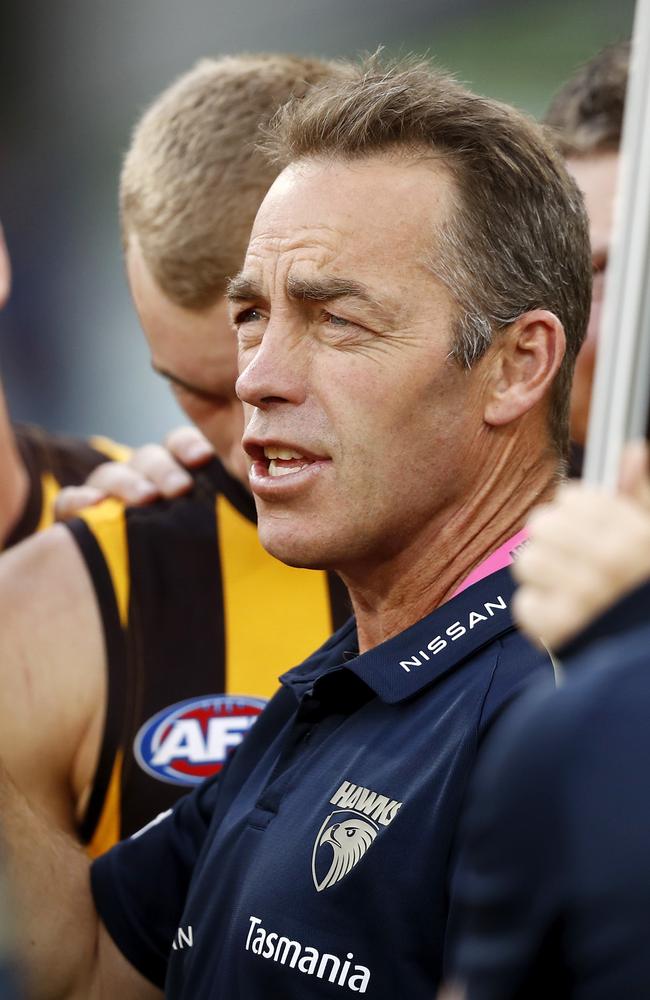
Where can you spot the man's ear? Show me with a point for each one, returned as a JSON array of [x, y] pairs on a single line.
[[5, 270], [527, 356]]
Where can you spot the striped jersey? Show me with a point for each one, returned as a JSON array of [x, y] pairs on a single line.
[[199, 622]]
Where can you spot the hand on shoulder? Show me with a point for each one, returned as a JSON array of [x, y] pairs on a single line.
[[152, 471]]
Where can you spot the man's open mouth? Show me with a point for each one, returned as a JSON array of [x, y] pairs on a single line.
[[284, 461], [277, 460]]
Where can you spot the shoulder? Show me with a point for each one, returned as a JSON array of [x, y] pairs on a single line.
[[52, 462], [46, 590], [519, 667], [69, 459], [48, 556], [112, 522]]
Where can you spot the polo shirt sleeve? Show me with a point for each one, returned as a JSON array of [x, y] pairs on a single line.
[[140, 886], [506, 887], [519, 667]]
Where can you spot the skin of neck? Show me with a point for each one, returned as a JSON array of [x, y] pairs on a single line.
[[13, 476], [395, 594]]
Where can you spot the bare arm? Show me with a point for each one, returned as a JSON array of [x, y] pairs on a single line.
[[52, 678], [64, 949], [52, 674]]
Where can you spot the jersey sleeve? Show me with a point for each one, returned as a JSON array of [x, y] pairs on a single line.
[[503, 937], [140, 886]]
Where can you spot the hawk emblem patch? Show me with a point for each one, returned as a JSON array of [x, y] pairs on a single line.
[[342, 841], [349, 831]]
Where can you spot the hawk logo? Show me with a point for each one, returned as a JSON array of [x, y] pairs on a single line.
[[343, 838], [348, 832]]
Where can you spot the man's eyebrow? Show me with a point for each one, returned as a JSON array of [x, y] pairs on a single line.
[[326, 288], [329, 288], [243, 289]]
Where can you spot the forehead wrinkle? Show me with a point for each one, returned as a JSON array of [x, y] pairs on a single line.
[[246, 286]]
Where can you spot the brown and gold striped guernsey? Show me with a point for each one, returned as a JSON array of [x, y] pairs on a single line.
[[193, 608], [53, 461]]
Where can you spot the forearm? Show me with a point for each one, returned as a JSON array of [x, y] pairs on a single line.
[[57, 925]]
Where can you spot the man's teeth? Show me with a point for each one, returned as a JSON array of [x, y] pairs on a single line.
[[278, 455], [285, 470], [284, 453]]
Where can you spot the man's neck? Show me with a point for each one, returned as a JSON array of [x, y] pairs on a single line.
[[14, 480], [389, 597]]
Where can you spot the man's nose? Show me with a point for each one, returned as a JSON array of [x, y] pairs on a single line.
[[276, 371]]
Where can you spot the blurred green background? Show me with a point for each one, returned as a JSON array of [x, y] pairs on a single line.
[[522, 52]]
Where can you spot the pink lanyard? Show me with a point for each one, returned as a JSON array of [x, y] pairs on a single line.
[[503, 556]]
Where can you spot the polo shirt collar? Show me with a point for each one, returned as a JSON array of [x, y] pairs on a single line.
[[401, 667]]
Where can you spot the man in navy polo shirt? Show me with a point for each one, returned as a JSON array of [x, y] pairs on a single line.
[[413, 298]]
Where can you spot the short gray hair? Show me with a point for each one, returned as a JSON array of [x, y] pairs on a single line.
[[518, 239]]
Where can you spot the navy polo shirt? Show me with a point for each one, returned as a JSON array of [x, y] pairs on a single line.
[[317, 863]]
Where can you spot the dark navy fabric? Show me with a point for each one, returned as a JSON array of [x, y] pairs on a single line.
[[553, 887], [317, 864], [8, 984], [632, 610]]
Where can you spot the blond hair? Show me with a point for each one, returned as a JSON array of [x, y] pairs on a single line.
[[193, 179], [518, 238]]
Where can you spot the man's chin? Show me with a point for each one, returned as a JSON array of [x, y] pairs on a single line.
[[289, 548]]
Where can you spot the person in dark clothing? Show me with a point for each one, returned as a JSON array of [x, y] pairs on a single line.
[[553, 884]]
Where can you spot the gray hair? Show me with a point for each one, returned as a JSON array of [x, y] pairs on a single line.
[[518, 238]]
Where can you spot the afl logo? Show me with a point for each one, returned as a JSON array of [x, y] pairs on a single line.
[[191, 740]]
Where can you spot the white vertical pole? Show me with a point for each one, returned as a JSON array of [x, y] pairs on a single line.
[[622, 380]]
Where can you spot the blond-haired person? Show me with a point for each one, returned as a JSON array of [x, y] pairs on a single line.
[[129, 663]]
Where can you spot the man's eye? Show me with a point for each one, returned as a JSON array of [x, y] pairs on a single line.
[[201, 396], [336, 320], [247, 316]]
